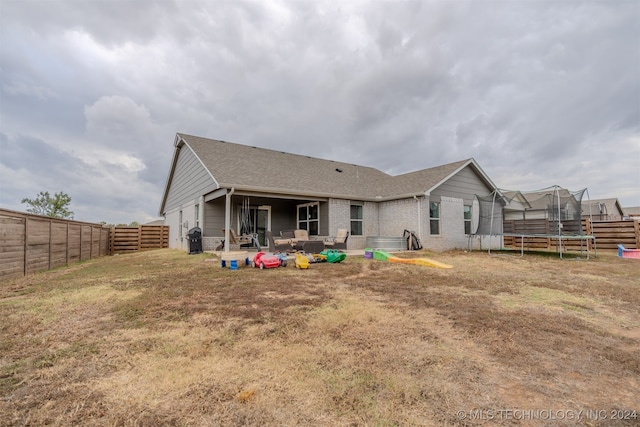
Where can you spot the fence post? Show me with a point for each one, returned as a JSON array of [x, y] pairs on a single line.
[[66, 252], [558, 243], [139, 237], [636, 228], [112, 237], [26, 244], [50, 235]]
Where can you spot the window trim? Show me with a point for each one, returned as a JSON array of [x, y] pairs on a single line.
[[468, 222], [308, 220], [356, 220], [434, 220]]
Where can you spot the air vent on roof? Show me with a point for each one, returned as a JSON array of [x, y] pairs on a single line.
[[338, 170]]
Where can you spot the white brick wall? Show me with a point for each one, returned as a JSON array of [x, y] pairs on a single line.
[[451, 226], [340, 217], [393, 217], [380, 219], [397, 216], [371, 220]]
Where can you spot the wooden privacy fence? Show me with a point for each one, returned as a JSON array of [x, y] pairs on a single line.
[[608, 234], [31, 243], [129, 239]]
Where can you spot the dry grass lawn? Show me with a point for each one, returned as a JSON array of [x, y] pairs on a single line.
[[164, 338]]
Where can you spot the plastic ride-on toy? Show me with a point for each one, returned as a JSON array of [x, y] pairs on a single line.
[[333, 256], [302, 260], [263, 260]]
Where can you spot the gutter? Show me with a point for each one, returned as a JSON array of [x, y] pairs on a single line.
[[285, 191]]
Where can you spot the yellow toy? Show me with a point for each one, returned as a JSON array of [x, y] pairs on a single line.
[[302, 260]]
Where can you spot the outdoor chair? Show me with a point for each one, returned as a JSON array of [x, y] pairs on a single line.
[[281, 245], [294, 237], [287, 234], [300, 235], [340, 241]]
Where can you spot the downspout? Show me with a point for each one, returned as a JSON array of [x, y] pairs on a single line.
[[493, 204], [227, 217], [559, 223], [419, 217]]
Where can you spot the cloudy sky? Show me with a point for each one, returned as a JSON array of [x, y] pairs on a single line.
[[538, 92]]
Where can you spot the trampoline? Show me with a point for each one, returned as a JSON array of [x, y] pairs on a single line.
[[546, 218]]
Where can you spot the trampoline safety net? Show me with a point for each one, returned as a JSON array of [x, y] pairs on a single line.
[[550, 211]]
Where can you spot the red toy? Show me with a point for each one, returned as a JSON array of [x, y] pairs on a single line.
[[263, 260]]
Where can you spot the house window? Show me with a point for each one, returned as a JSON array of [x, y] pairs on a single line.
[[467, 219], [197, 216], [309, 218], [434, 217], [356, 220]]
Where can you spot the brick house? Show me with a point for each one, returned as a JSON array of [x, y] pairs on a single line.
[[217, 185]]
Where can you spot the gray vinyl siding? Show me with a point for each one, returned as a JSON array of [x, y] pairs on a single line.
[[189, 182], [214, 217], [463, 185], [324, 218], [283, 214]]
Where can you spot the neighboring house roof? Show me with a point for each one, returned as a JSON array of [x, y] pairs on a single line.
[[632, 211], [602, 207], [520, 200], [248, 168]]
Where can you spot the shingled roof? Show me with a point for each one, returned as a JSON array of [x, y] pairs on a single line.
[[610, 206], [250, 168]]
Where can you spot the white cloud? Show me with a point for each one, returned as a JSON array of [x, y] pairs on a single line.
[[115, 118]]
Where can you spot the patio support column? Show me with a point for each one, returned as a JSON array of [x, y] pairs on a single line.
[[227, 218]]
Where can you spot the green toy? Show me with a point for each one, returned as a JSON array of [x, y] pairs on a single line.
[[333, 255]]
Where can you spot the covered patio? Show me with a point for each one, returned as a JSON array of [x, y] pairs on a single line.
[[229, 213]]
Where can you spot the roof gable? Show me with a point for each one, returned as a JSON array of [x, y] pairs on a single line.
[[599, 206], [432, 179]]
